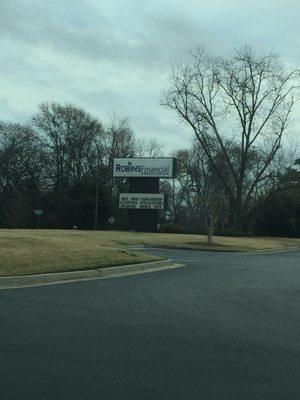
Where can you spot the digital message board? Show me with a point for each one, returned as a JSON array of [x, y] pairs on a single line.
[[164, 167], [142, 201]]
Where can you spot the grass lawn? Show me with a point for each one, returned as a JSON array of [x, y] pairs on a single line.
[[32, 251]]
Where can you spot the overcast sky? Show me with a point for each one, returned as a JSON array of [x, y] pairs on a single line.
[[114, 56]]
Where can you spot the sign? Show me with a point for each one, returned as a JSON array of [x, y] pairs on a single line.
[[142, 201], [38, 212], [164, 167], [111, 220]]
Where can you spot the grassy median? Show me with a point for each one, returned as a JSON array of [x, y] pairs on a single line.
[[35, 252], [32, 251]]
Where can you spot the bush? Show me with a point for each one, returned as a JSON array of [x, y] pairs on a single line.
[[172, 228], [234, 232]]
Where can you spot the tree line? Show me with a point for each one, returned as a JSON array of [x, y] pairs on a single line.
[[56, 163], [235, 177], [198, 202]]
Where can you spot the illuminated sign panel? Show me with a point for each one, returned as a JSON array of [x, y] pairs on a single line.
[[142, 201], [144, 167]]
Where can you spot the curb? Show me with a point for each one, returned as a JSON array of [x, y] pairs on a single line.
[[277, 250], [216, 250], [8, 282]]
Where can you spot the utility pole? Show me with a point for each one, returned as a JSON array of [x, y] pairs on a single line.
[[96, 205]]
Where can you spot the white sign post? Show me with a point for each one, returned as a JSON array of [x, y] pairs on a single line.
[[38, 213]]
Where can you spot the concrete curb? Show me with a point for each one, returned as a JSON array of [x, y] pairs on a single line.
[[216, 250], [8, 282], [277, 250]]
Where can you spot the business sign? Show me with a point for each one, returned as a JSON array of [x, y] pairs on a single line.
[[142, 201], [145, 167]]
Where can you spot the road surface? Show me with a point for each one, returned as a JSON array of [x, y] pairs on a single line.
[[226, 326]]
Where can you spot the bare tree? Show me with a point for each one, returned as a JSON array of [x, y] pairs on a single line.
[[203, 191], [176, 193], [22, 172], [243, 104], [149, 148], [120, 138], [69, 134]]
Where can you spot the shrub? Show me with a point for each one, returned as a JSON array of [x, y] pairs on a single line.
[[233, 232], [172, 228]]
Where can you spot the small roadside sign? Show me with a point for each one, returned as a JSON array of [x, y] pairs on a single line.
[[111, 220], [39, 212]]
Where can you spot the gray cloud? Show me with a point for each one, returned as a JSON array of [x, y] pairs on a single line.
[[115, 56]]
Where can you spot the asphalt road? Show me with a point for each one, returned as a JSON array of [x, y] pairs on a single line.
[[225, 327]]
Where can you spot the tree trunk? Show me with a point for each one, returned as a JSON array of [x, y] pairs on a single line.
[[235, 209], [210, 234]]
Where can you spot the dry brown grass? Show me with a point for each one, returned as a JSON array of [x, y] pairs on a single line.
[[32, 251], [198, 241]]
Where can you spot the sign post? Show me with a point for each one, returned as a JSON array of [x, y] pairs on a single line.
[[111, 220], [38, 213], [143, 201]]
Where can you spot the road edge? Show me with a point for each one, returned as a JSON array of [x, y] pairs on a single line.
[[11, 282], [222, 250]]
